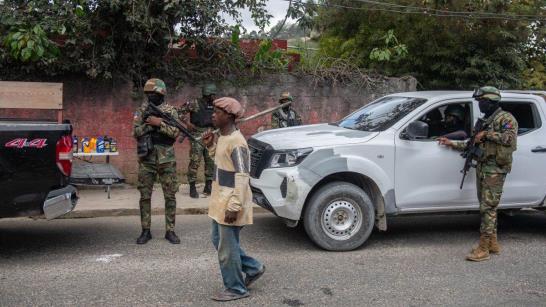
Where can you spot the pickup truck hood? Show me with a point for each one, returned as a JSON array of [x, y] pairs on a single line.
[[312, 136]]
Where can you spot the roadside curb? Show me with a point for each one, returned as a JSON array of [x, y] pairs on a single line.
[[132, 212]]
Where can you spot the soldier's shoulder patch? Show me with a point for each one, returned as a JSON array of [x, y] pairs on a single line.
[[136, 115], [507, 125]]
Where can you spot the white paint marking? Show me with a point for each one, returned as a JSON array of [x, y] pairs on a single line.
[[108, 258]]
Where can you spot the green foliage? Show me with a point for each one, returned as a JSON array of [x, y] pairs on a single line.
[[30, 44], [267, 58], [392, 51], [535, 76], [131, 39], [441, 52]]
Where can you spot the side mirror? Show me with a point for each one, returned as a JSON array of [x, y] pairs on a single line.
[[417, 130]]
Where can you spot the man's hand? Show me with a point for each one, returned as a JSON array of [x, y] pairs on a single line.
[[154, 121], [208, 138], [444, 141], [230, 217], [478, 138]]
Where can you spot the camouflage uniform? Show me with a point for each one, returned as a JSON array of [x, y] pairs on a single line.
[[197, 151], [285, 117], [498, 144], [160, 163]]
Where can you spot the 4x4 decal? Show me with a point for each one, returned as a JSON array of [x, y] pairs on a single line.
[[22, 143]]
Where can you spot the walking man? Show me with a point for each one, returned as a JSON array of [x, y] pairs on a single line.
[[155, 149], [497, 141], [230, 206]]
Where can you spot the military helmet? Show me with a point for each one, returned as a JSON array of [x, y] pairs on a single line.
[[209, 89], [286, 95], [487, 93], [155, 85], [455, 110]]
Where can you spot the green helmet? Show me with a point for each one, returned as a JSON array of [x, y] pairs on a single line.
[[286, 96], [209, 89], [488, 93], [155, 86], [455, 110]]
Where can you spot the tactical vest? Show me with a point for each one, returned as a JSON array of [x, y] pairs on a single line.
[[502, 155], [288, 119], [202, 117], [161, 139]]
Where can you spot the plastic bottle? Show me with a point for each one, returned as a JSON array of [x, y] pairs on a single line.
[[113, 145], [75, 144], [106, 144], [85, 145], [100, 144], [93, 144]]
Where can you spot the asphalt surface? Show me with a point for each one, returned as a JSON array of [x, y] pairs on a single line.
[[418, 261]]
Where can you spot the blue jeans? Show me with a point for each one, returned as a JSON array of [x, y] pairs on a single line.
[[233, 260]]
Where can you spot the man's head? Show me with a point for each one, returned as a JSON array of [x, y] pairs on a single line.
[[488, 98], [454, 114], [209, 92], [156, 90], [285, 97], [226, 111]]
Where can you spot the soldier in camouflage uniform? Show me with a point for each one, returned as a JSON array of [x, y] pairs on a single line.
[[285, 117], [158, 159], [197, 115], [497, 141]]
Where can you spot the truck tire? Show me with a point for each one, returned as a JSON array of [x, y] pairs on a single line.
[[339, 217]]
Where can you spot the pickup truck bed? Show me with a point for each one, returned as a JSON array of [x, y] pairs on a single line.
[[35, 165]]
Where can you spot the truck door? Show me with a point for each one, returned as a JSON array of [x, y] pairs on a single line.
[[526, 183], [427, 175]]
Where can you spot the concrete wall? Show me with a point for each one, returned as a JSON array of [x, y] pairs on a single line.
[[107, 108]]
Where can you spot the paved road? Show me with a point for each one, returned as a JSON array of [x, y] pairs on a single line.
[[419, 261]]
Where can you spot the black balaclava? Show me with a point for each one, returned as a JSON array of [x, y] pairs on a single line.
[[156, 99], [487, 106]]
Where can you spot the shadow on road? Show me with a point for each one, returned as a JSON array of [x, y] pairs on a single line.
[[22, 237]]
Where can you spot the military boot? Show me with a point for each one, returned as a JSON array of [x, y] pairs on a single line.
[[193, 190], [480, 253], [208, 187], [145, 236], [172, 237], [494, 246]]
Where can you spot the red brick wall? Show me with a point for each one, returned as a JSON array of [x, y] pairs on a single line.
[[96, 109]]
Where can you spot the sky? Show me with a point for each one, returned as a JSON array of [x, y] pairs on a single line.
[[277, 8]]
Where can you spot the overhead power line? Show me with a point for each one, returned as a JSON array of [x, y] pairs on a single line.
[[405, 9]]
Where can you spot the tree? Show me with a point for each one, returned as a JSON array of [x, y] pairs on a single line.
[[127, 38], [484, 43]]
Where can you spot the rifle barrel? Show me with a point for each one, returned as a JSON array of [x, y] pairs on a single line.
[[253, 116]]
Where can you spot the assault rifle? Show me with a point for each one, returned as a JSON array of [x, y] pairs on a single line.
[[153, 110], [472, 151]]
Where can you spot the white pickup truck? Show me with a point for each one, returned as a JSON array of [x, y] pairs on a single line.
[[343, 178]]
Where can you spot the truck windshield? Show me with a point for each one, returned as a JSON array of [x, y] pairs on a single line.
[[381, 114]]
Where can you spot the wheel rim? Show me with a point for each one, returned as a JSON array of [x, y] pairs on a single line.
[[341, 220]]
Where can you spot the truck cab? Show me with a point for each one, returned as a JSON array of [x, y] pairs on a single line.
[[342, 179]]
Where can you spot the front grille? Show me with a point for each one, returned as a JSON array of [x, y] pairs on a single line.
[[259, 156], [255, 157]]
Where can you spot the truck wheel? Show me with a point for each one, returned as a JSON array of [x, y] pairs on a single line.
[[339, 217]]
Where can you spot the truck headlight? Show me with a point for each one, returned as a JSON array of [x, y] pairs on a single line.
[[287, 158]]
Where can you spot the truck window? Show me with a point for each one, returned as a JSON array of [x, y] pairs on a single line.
[[453, 121], [525, 113], [381, 114]]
